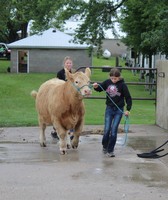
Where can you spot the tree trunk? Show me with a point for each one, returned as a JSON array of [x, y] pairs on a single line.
[[12, 35], [150, 60], [24, 30], [117, 61], [143, 60]]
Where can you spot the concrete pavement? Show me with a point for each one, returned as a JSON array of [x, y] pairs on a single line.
[[28, 171]]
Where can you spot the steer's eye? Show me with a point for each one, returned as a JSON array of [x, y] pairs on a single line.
[[76, 82]]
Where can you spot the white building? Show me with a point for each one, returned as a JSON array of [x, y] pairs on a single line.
[[45, 52]]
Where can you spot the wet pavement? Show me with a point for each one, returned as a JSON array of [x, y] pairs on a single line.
[[28, 171]]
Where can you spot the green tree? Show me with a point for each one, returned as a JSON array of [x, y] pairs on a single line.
[[142, 22], [45, 15], [96, 16], [4, 21], [16, 14], [160, 34], [15, 17]]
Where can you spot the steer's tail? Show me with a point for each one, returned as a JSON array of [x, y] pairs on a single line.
[[34, 94]]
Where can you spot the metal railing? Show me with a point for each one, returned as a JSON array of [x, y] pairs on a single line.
[[150, 82]]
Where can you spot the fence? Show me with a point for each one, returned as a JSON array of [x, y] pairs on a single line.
[[150, 81]]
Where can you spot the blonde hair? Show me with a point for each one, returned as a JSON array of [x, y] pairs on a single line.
[[67, 58]]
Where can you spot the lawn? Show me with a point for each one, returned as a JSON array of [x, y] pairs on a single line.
[[18, 107], [4, 64]]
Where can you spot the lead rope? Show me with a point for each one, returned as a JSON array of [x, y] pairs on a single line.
[[153, 154], [126, 118], [79, 88]]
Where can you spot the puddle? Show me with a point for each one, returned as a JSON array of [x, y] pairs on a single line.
[[27, 153], [142, 143], [148, 174]]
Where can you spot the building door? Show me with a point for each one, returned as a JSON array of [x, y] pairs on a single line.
[[23, 61]]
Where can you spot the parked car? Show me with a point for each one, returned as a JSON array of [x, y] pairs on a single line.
[[5, 52]]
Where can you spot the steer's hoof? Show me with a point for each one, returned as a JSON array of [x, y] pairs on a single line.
[[43, 144], [63, 152], [74, 146]]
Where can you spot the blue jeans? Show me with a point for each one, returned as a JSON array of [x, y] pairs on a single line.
[[112, 120]]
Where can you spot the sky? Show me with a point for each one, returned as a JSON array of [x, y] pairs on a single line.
[[70, 26]]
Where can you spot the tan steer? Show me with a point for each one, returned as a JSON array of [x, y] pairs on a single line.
[[60, 103]]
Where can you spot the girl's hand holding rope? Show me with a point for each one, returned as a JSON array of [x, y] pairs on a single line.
[[126, 113], [95, 85]]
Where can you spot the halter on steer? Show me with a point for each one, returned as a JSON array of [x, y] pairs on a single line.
[[79, 88]]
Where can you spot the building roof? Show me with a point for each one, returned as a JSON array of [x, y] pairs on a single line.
[[51, 38]]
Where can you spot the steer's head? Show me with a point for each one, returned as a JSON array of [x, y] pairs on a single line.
[[80, 81]]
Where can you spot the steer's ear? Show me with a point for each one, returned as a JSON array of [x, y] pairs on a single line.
[[68, 75], [88, 72]]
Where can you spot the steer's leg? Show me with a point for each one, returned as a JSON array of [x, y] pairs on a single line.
[[63, 143], [42, 135], [62, 133], [68, 140], [76, 134]]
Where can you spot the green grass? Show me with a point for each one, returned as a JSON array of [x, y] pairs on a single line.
[[17, 107], [106, 62], [4, 64]]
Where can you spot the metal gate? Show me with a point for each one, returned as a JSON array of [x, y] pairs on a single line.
[[150, 81]]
